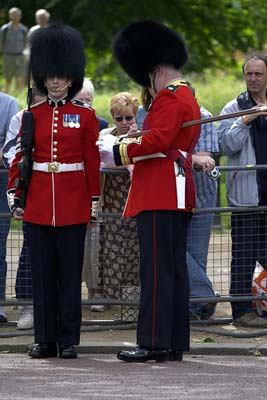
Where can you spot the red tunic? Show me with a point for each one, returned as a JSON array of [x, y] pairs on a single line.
[[153, 183], [64, 198]]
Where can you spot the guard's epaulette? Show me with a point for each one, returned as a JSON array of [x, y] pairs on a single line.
[[80, 103], [174, 85], [38, 104]]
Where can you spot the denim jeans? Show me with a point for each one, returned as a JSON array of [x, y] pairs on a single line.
[[196, 256]]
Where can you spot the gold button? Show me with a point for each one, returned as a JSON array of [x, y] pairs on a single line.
[[56, 111], [56, 118], [55, 149], [55, 124], [55, 142], [54, 156], [55, 130]]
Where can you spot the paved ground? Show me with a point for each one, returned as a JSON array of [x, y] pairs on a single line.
[[102, 377], [232, 365], [217, 367]]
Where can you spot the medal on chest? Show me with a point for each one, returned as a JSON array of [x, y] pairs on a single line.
[[71, 120]]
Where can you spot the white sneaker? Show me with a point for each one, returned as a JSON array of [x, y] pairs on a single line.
[[98, 307], [26, 318], [3, 316]]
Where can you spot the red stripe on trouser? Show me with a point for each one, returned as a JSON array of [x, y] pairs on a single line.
[[155, 279]]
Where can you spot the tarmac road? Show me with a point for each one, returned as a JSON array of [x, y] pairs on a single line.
[[103, 377]]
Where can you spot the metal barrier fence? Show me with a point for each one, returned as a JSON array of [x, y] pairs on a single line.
[[111, 264]]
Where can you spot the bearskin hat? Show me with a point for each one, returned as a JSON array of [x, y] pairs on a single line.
[[142, 46], [57, 50]]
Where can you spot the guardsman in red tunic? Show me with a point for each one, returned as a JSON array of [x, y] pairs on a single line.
[[162, 194], [64, 182]]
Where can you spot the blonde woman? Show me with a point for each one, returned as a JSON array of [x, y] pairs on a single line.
[[119, 247]]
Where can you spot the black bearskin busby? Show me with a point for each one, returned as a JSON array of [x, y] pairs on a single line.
[[57, 50], [142, 46]]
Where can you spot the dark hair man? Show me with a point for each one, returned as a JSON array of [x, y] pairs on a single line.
[[244, 142]]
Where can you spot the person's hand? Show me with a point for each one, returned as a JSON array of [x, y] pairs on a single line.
[[105, 145], [18, 213], [90, 225], [130, 170], [205, 163], [133, 128], [247, 119]]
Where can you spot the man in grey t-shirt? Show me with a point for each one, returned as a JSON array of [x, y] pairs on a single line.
[[13, 37]]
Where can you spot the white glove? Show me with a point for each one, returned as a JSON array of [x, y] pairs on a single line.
[[105, 145]]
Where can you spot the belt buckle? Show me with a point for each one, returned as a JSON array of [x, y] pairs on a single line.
[[53, 167]]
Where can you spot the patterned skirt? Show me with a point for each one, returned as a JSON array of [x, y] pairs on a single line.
[[119, 249]]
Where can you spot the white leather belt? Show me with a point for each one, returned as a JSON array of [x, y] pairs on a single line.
[[57, 167], [147, 157]]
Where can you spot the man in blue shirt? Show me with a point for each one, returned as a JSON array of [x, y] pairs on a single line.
[[199, 229]]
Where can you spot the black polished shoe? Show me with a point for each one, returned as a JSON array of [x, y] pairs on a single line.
[[43, 350], [67, 351], [3, 318], [142, 355], [175, 355]]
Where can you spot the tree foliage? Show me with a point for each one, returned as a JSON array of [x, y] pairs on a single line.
[[215, 32]]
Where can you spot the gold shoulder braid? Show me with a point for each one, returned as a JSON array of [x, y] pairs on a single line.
[[80, 103], [175, 84]]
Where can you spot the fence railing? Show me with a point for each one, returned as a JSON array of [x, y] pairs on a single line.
[[112, 266]]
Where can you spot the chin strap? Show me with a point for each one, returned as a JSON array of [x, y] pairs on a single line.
[[61, 88], [29, 93]]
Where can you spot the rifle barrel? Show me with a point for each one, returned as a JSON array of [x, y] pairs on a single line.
[[201, 121]]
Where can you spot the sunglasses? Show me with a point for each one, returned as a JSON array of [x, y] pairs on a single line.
[[127, 118]]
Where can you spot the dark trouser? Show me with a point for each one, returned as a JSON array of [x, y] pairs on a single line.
[[248, 246], [4, 229], [56, 255], [163, 320], [23, 279]]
